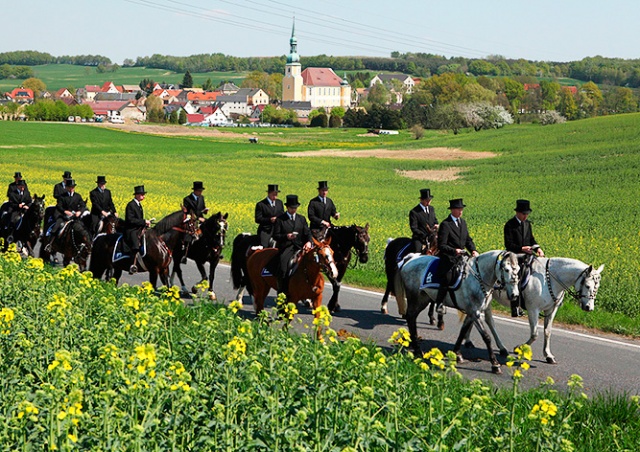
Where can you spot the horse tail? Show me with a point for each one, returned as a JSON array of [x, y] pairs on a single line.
[[400, 294], [96, 264], [238, 257]]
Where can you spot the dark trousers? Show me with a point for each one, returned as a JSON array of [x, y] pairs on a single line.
[[131, 239], [445, 272], [265, 238], [417, 246], [284, 258]]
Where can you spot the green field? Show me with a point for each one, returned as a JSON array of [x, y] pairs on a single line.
[[57, 76], [581, 178]]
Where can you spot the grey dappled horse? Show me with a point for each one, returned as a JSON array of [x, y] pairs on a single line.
[[549, 281], [473, 297]]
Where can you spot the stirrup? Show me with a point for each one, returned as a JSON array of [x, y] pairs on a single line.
[[47, 247], [133, 269]]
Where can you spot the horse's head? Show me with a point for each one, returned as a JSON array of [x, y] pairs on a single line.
[[587, 287], [81, 241], [37, 207], [507, 269], [362, 243], [221, 227], [110, 224], [325, 254]]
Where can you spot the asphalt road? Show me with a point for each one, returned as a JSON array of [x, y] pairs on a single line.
[[605, 362]]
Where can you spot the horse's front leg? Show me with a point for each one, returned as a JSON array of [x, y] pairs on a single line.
[[488, 318], [533, 325], [210, 278], [333, 305], [548, 323], [477, 321], [415, 305]]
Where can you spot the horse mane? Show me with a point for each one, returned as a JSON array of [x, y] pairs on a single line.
[[170, 221]]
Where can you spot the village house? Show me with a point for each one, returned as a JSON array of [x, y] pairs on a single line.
[[21, 95], [118, 110]]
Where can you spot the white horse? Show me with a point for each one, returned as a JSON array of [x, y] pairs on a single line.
[[473, 296], [549, 281]]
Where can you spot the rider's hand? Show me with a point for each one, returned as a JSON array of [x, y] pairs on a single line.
[[273, 219], [307, 246], [326, 224], [147, 223], [475, 254], [540, 252], [105, 213], [459, 251], [77, 214], [526, 249]]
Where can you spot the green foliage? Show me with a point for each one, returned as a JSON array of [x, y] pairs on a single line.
[[319, 120], [173, 117], [19, 72], [335, 120], [182, 118], [187, 80], [87, 365]]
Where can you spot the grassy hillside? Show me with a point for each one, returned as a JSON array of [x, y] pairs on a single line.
[[57, 76], [581, 178]]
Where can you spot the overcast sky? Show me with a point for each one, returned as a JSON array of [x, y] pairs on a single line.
[[549, 30]]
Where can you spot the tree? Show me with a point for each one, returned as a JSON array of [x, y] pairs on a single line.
[[514, 91], [418, 131], [413, 113], [378, 95], [590, 99], [620, 100], [335, 121], [182, 118], [446, 117], [36, 85], [187, 80], [567, 105], [173, 117], [550, 94], [320, 120], [147, 85], [207, 85], [338, 111]]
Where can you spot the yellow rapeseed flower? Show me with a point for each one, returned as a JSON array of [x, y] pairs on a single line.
[[400, 337]]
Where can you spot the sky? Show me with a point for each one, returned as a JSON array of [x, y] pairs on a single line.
[[542, 30]]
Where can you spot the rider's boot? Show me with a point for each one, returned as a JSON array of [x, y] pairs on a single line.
[[442, 294], [136, 255], [516, 310]]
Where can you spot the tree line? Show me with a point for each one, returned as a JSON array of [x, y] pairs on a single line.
[[34, 58]]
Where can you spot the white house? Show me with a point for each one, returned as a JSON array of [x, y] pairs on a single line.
[[217, 117]]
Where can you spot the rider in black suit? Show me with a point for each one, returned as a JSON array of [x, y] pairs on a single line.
[[101, 203], [267, 212], [453, 239], [14, 185], [19, 201], [291, 234], [321, 210], [133, 222], [420, 217], [518, 238], [195, 201], [60, 189], [68, 206]]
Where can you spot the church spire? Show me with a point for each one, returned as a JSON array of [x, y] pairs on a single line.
[[293, 43]]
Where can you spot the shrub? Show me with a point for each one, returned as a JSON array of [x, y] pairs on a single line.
[[551, 117]]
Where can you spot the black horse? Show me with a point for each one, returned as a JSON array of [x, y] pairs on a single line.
[[242, 245], [159, 241], [207, 248], [27, 230], [73, 242], [343, 240], [394, 253]]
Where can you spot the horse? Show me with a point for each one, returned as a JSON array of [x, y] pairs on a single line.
[[110, 225], [73, 242], [159, 241], [343, 239], [27, 231], [395, 252], [306, 282], [550, 279], [207, 248], [243, 244], [473, 296]]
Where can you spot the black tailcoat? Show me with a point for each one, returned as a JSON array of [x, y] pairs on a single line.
[[450, 238], [133, 221], [283, 226], [263, 215], [319, 211], [418, 221], [517, 235], [191, 204]]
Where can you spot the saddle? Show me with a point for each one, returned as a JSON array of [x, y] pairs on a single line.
[[122, 251], [525, 261], [271, 269], [430, 279]]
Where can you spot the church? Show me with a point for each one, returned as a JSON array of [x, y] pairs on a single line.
[[319, 86]]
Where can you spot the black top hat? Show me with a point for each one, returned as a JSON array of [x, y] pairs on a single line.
[[522, 206], [69, 183], [101, 180], [66, 175], [139, 190], [21, 183], [292, 201], [272, 187], [425, 193], [323, 184], [17, 174], [456, 203], [197, 185]]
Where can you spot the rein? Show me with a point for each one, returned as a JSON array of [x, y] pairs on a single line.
[[476, 274], [558, 300]]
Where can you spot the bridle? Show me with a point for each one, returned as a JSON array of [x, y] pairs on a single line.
[[500, 283], [584, 274]]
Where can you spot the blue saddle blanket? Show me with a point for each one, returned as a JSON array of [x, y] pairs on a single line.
[[430, 279], [119, 252]]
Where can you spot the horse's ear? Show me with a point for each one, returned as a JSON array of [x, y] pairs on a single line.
[[219, 214], [599, 270], [590, 269], [366, 227], [226, 215]]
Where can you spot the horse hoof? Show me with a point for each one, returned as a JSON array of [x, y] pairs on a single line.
[[335, 309], [469, 344], [460, 359], [551, 360], [307, 304], [384, 310], [504, 352], [441, 325], [496, 370], [432, 321]]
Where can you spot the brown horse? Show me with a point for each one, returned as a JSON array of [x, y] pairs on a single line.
[[74, 243], [305, 283], [160, 240]]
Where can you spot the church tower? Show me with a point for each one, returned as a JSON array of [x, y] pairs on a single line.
[[292, 81]]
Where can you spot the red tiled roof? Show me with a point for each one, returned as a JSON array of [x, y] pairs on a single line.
[[196, 117], [92, 89], [207, 110], [21, 92], [107, 86], [102, 107], [528, 86], [573, 89], [320, 76], [60, 92], [208, 95]]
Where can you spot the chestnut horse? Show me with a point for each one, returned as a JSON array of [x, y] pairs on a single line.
[[306, 282]]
